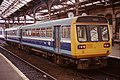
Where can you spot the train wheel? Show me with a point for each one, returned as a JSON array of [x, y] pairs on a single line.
[[57, 59]]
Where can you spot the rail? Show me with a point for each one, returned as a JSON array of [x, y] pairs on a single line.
[[30, 69]]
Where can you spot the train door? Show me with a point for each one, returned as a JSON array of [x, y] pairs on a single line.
[[5, 35], [56, 36], [20, 35]]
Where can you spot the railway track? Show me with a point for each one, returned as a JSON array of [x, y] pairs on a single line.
[[32, 72], [110, 74], [72, 74], [100, 75]]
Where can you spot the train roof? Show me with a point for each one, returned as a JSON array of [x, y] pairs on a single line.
[[66, 21], [13, 28]]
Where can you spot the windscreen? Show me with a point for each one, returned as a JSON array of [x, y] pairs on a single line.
[[92, 33]]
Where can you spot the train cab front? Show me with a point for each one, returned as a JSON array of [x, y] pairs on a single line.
[[92, 45]]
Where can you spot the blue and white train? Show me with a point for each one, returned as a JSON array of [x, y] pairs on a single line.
[[84, 41]]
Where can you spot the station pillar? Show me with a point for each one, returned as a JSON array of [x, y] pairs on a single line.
[[113, 26]]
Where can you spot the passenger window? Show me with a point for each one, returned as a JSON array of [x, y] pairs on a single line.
[[28, 33], [43, 32], [49, 32], [33, 32], [66, 32], [12, 32], [37, 32]]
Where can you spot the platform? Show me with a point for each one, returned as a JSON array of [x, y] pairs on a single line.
[[115, 51], [8, 71]]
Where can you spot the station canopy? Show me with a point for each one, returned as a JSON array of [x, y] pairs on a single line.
[[44, 8]]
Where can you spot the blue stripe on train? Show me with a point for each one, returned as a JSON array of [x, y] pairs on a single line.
[[13, 38], [64, 46], [39, 42]]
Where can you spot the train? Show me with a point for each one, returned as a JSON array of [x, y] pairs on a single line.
[[83, 41], [2, 33]]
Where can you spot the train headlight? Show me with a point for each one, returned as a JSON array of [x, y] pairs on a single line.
[[106, 45], [82, 46]]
